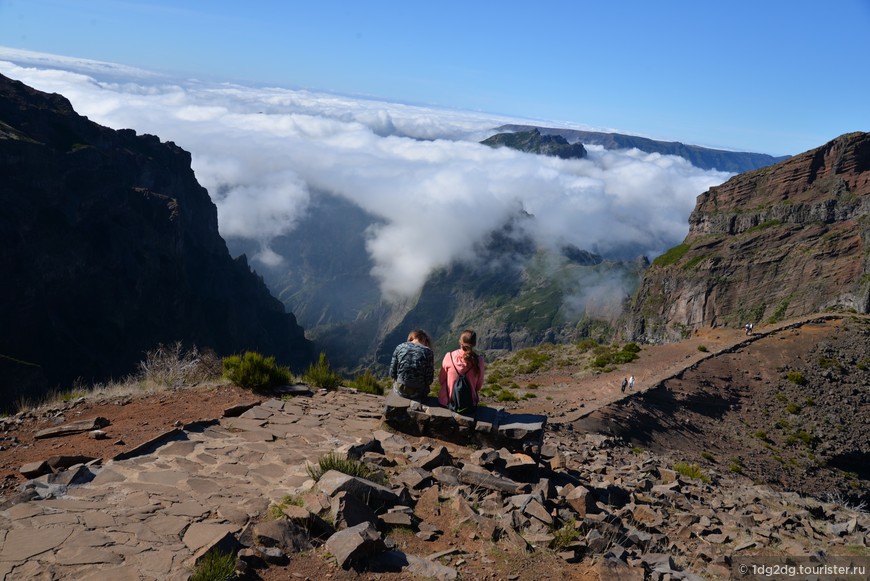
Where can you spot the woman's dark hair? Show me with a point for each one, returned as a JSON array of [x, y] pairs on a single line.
[[467, 341], [421, 336]]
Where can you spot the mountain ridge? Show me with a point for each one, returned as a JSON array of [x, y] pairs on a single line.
[[701, 157]]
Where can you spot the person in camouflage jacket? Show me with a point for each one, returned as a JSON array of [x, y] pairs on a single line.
[[412, 366]]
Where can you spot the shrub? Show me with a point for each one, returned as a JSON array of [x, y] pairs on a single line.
[[173, 366], [827, 362], [367, 383], [276, 511], [255, 372], [803, 437], [760, 434], [702, 348], [796, 377], [565, 535], [691, 471], [534, 360], [736, 465], [320, 374], [587, 344], [215, 566], [506, 396], [487, 390], [783, 424], [631, 348], [793, 408], [606, 356], [333, 461], [708, 457]]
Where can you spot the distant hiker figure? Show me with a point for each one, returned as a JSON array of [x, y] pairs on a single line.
[[631, 382], [748, 328], [624, 383]]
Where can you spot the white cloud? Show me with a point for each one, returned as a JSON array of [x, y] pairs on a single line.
[[262, 152]]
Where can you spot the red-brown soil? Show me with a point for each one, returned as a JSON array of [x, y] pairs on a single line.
[[563, 393]]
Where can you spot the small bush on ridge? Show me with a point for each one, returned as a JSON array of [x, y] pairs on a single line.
[[320, 374], [691, 471], [333, 461], [796, 377], [255, 372], [173, 366], [367, 383], [215, 566]]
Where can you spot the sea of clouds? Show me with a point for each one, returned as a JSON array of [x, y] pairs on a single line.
[[263, 153]]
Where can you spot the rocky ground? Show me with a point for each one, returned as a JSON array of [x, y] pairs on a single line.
[[791, 409], [594, 506]]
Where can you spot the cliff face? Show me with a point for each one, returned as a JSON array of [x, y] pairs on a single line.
[[108, 246], [782, 241]]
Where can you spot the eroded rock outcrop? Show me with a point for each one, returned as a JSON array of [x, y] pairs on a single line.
[[782, 241], [109, 246]]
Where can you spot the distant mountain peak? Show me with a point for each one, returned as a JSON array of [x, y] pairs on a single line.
[[534, 142]]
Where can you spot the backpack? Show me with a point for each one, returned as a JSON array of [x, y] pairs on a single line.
[[462, 395]]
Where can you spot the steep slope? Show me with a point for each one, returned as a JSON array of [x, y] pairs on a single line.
[[782, 241], [788, 409], [702, 157], [108, 246]]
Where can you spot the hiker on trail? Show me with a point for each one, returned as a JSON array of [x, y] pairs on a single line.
[[465, 361], [631, 382], [748, 328], [413, 366], [624, 383]]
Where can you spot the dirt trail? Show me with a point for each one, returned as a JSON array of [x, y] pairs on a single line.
[[569, 394]]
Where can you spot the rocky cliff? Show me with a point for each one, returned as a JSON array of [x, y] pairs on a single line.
[[109, 246], [782, 241], [534, 142]]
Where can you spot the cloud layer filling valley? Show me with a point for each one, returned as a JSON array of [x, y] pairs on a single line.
[[264, 152]]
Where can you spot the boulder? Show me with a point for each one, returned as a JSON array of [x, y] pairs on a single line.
[[355, 545]]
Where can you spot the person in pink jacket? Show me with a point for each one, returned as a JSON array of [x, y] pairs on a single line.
[[464, 360]]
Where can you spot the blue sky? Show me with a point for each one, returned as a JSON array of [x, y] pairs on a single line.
[[768, 76]]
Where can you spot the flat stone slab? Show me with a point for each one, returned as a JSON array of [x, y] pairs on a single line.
[[293, 390], [200, 534], [150, 445], [24, 543], [489, 427], [76, 427]]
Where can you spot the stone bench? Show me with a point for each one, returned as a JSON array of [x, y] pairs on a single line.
[[490, 427]]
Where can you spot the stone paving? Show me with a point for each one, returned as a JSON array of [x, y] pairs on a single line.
[[147, 516]]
